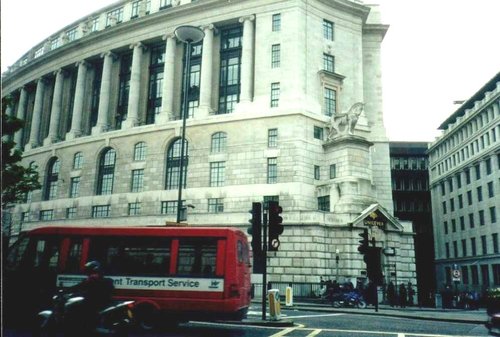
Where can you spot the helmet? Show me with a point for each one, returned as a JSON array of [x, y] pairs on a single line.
[[92, 267]]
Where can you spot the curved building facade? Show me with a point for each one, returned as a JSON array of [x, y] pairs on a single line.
[[272, 110]]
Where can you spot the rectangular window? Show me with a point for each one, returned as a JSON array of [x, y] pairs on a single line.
[[474, 274], [71, 34], [447, 249], [471, 220], [469, 197], [217, 173], [467, 176], [481, 218], [275, 94], [462, 223], [276, 22], [465, 275], [450, 184], [272, 137], [453, 225], [444, 207], [318, 133], [478, 171], [316, 172], [56, 43], [455, 249], [275, 56], [169, 207], [101, 211], [47, 214], [272, 170], [473, 246], [70, 212], [324, 203], [488, 166], [485, 275], [74, 189], [156, 68], [452, 205], [94, 24], [328, 63], [165, 4], [460, 201], [330, 101], [215, 205], [484, 246], [137, 180], [479, 194], [39, 52], [197, 257], [445, 226], [464, 247], [114, 17], [494, 237], [493, 215], [443, 188], [135, 9], [134, 208], [328, 30], [230, 63], [491, 192], [333, 171], [459, 181], [495, 268]]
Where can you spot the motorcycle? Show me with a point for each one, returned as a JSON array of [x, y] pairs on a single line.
[[66, 316], [348, 299]]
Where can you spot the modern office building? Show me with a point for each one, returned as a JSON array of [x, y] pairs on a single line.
[[465, 189], [412, 202], [284, 102]]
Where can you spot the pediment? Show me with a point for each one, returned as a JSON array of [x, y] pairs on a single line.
[[376, 215]]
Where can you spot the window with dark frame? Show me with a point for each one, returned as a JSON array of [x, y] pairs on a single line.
[[276, 25], [137, 184], [230, 68], [272, 170], [316, 172], [218, 142], [328, 32], [74, 189], [105, 177], [77, 161], [324, 203], [318, 133], [275, 55], [272, 137], [330, 101], [51, 181], [328, 63], [173, 165], [101, 211], [217, 173], [140, 150], [275, 94], [134, 208], [123, 89], [156, 76], [333, 171], [215, 205]]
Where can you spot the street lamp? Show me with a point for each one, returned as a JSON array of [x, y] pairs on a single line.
[[187, 35]]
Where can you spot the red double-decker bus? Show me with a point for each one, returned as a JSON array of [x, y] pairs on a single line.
[[173, 273]]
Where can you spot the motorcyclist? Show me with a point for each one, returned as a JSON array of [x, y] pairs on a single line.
[[96, 290]]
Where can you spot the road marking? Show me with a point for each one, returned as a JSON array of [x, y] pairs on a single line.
[[283, 332], [401, 335], [320, 315], [314, 333]]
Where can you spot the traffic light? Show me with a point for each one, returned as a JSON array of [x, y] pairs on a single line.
[[363, 243], [255, 230], [373, 265], [275, 225]]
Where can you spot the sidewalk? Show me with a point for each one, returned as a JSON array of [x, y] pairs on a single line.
[[434, 314]]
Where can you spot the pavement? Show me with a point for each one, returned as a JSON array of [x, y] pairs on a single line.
[[432, 314]]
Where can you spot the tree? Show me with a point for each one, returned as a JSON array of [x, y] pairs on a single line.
[[17, 180]]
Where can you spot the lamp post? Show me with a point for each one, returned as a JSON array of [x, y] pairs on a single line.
[[337, 258], [187, 35]]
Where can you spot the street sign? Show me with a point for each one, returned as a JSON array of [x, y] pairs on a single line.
[[456, 275]]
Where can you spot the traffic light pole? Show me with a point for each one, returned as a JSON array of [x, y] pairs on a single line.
[[264, 274]]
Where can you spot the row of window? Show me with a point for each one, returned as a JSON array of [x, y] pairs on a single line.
[[460, 198], [456, 180], [470, 274], [467, 130], [471, 220], [410, 183], [473, 248], [469, 150], [214, 205], [409, 163]]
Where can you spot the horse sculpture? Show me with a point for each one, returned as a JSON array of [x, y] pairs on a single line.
[[344, 123]]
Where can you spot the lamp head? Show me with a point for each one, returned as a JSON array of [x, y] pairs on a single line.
[[189, 34]]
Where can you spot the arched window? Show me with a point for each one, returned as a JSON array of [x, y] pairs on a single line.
[[173, 164], [78, 161], [140, 151], [106, 172], [52, 178], [219, 140]]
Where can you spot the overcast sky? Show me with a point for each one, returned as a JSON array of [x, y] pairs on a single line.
[[435, 52]]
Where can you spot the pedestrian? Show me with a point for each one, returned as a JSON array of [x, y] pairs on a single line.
[[402, 295], [391, 294], [411, 294]]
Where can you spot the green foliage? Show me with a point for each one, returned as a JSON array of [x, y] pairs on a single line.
[[17, 180]]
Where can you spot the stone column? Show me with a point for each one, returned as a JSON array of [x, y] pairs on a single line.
[[206, 89], [55, 112], [21, 114], [36, 117], [9, 111], [246, 94], [104, 94], [167, 100], [76, 121], [135, 87]]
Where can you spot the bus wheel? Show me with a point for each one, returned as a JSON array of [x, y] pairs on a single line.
[[146, 317]]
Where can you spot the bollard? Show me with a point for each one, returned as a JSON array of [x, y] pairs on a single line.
[[274, 304], [289, 296]]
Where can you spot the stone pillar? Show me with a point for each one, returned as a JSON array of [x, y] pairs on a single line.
[[246, 94], [206, 89], [55, 112], [36, 118], [135, 87], [9, 111], [76, 121], [21, 114], [104, 95], [167, 100]]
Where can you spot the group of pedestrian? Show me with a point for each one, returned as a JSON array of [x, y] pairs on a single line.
[[463, 300], [403, 297]]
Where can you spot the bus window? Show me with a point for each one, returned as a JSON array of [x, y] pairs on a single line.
[[131, 256], [74, 256], [16, 254], [46, 254], [197, 257]]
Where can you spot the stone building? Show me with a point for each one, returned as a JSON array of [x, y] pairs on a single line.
[[284, 101], [465, 189]]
